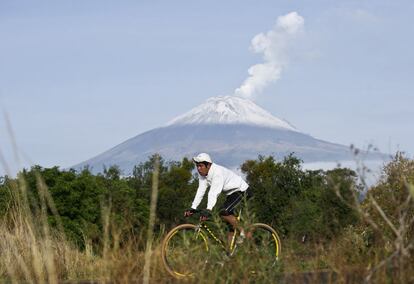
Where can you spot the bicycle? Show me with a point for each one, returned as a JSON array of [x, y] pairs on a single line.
[[188, 248]]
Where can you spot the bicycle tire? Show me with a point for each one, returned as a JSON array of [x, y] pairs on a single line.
[[184, 250], [265, 245]]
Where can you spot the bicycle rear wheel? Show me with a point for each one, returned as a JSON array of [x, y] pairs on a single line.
[[184, 251], [265, 245]]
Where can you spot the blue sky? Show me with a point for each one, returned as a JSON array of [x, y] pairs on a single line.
[[79, 77]]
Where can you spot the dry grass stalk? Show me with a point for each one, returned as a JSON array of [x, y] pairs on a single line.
[[401, 250], [154, 197]]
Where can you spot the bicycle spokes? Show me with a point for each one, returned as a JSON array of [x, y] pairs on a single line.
[[185, 251], [264, 244]]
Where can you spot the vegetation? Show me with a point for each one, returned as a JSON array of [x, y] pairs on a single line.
[[301, 203], [65, 225]]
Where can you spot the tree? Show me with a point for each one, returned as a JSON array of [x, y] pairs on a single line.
[[300, 202], [392, 196], [176, 193], [274, 184]]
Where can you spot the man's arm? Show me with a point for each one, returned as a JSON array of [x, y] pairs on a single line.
[[216, 187], [202, 186]]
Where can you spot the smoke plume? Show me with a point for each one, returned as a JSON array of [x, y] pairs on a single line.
[[275, 46]]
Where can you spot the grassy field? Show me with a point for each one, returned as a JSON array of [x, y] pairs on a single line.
[[378, 250]]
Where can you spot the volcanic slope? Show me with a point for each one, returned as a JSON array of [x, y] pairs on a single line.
[[231, 129]]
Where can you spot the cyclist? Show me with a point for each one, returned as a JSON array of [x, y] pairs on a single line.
[[219, 179]]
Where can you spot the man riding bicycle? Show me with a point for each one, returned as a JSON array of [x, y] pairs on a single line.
[[219, 179]]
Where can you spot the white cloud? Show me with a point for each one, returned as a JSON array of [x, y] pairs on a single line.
[[274, 46]]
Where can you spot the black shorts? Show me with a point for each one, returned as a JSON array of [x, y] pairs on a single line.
[[233, 200]]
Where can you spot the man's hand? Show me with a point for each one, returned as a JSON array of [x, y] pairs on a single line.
[[189, 212], [205, 215]]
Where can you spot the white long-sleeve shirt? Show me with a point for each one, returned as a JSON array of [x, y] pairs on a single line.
[[219, 179]]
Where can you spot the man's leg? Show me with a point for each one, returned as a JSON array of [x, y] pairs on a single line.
[[232, 220], [227, 213]]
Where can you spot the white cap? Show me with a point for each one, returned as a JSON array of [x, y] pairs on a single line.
[[202, 157]]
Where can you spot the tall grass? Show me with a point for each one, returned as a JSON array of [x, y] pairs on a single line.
[[32, 251], [153, 207]]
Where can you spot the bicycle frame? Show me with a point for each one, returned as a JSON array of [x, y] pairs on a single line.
[[203, 227], [230, 250]]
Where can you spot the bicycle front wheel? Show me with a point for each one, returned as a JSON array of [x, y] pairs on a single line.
[[265, 245], [185, 250]]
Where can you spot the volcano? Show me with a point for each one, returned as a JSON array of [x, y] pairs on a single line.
[[231, 129]]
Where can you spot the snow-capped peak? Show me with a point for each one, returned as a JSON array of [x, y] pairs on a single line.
[[230, 110]]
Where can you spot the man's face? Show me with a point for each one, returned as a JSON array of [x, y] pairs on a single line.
[[203, 169]]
